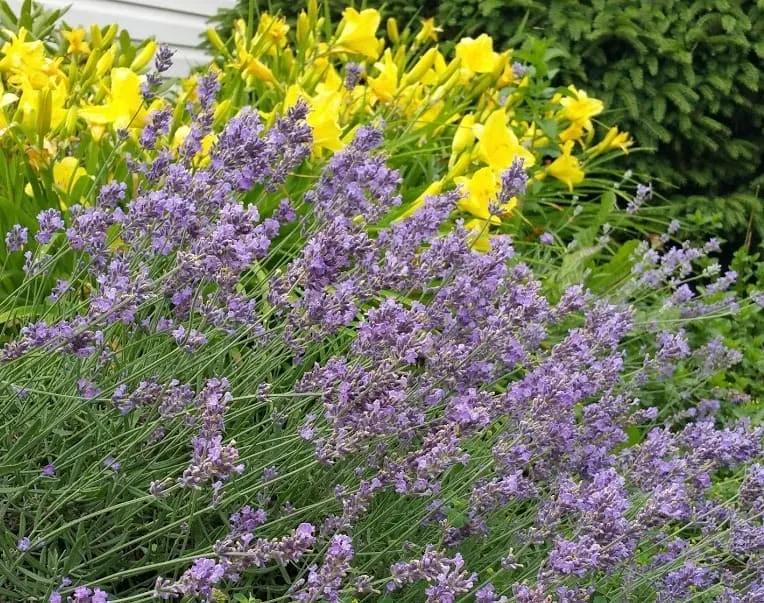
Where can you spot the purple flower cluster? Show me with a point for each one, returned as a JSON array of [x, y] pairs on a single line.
[[451, 384]]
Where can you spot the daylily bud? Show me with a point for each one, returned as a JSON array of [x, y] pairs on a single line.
[[460, 166], [303, 30], [450, 71], [90, 65], [144, 56], [70, 122], [465, 135], [392, 30], [108, 37], [95, 36], [400, 58], [214, 37], [445, 88], [222, 112], [421, 67], [105, 62], [44, 111], [312, 10]]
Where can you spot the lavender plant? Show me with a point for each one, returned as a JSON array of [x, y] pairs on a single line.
[[310, 403]]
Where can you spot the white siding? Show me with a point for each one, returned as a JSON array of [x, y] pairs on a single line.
[[178, 23]]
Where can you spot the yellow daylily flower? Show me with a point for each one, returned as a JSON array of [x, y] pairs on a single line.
[[498, 144], [77, 42], [613, 140], [479, 236], [385, 84], [20, 55], [323, 120], [477, 54], [479, 191], [358, 32], [566, 168], [580, 108], [428, 31], [202, 157], [125, 105]]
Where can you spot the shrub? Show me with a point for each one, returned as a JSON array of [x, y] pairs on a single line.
[[293, 398]]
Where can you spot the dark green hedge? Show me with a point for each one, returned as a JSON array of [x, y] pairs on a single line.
[[686, 75]]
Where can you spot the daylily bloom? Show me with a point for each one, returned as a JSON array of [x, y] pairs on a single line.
[[358, 32], [31, 106], [20, 55], [323, 119], [498, 144], [580, 108], [566, 168], [480, 191], [385, 84], [428, 31], [77, 43], [125, 105], [477, 54]]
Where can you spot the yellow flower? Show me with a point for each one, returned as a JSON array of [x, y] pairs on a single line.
[[479, 191], [34, 112], [385, 84], [253, 68], [465, 135], [274, 29], [498, 144], [125, 105], [323, 119], [77, 43], [358, 32], [613, 140], [202, 156], [479, 236], [477, 55], [566, 168], [20, 55], [66, 173], [428, 31], [579, 108]]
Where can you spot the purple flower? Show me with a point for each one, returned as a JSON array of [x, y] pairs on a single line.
[[353, 73], [50, 222], [111, 463], [546, 238], [23, 544], [16, 238], [49, 470], [55, 597]]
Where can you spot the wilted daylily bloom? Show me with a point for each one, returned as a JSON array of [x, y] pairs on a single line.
[[498, 144], [613, 140], [358, 32], [77, 43], [428, 31], [566, 168]]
